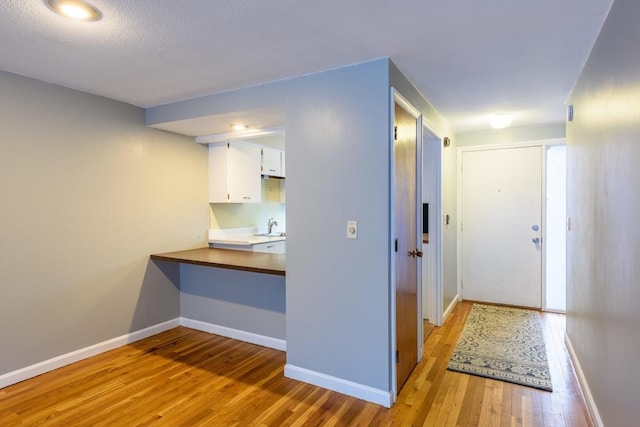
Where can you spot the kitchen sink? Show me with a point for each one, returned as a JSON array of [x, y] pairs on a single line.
[[271, 235]]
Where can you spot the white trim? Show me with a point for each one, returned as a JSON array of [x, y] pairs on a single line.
[[436, 238], [584, 386], [449, 309], [350, 388], [406, 105], [84, 353], [392, 259], [237, 334], [418, 236], [518, 144], [231, 136]]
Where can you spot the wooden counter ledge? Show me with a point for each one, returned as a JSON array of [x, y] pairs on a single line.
[[257, 262]]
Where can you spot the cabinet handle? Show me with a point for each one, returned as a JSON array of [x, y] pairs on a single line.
[[247, 198], [272, 170]]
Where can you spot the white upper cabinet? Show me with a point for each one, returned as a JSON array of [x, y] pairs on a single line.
[[234, 173], [272, 162]]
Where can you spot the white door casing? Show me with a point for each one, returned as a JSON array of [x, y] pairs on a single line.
[[432, 299]]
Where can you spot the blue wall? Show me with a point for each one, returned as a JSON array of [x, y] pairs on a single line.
[[337, 145]]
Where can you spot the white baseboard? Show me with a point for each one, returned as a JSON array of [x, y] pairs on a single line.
[[250, 337], [584, 386], [340, 385], [83, 353], [449, 309]]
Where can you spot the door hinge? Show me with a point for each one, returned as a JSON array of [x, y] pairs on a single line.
[[397, 356], [396, 245], [395, 133]]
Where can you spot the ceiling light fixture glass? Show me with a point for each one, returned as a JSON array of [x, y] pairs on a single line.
[[238, 126], [500, 121], [74, 9]]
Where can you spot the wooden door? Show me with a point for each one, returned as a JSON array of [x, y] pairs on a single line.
[[501, 226], [406, 262]]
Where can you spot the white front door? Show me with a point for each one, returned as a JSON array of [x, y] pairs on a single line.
[[501, 226]]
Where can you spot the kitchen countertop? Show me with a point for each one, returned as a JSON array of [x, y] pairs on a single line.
[[242, 236], [246, 240], [257, 262]]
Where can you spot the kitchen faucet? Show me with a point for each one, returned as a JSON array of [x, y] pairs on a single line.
[[270, 225]]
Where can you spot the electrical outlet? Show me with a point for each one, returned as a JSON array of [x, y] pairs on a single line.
[[352, 229]]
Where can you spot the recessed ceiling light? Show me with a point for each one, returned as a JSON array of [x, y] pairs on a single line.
[[238, 126], [75, 9], [500, 121]]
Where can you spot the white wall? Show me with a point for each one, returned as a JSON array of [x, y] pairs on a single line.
[[512, 135], [603, 246], [86, 194]]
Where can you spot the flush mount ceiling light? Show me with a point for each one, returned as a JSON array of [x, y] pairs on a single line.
[[74, 9], [500, 121], [238, 126]]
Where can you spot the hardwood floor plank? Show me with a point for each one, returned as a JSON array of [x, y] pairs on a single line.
[[505, 416], [184, 377]]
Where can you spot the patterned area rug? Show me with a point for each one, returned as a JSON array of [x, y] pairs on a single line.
[[505, 344]]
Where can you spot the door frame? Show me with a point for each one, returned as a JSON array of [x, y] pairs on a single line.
[[396, 97], [483, 147], [434, 263]]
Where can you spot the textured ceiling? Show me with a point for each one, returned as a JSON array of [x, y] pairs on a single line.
[[468, 58]]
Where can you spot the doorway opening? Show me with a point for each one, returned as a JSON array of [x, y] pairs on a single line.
[[431, 294], [555, 234], [405, 241]]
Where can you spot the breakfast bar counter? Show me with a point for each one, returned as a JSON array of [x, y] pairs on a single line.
[[257, 262]]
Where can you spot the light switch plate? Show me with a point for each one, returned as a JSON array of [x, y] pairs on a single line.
[[352, 229]]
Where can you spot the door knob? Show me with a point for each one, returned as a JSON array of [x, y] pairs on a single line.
[[536, 240], [415, 253]]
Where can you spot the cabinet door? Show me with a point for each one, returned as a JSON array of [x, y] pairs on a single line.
[[218, 177], [271, 161], [271, 247], [243, 173]]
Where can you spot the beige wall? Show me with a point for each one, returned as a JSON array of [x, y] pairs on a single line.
[[86, 194], [232, 215], [603, 202]]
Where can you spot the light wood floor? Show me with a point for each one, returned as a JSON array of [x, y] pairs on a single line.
[[188, 378], [427, 328]]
